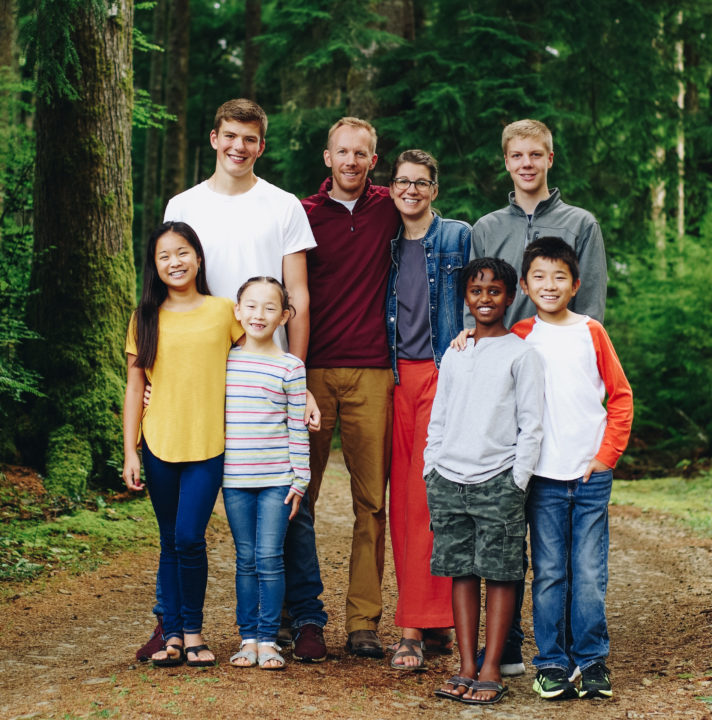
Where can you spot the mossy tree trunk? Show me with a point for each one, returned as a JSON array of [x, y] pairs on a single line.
[[83, 273]]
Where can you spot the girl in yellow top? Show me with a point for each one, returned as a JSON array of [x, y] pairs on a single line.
[[178, 341]]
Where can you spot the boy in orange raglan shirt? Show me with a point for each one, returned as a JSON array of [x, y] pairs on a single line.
[[571, 486]]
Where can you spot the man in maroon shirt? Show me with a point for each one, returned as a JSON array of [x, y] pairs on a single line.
[[348, 368]]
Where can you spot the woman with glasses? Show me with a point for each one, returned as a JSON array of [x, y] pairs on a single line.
[[424, 313]]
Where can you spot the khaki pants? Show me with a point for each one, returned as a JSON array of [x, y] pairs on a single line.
[[361, 398]]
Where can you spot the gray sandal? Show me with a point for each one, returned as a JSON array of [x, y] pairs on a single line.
[[409, 647], [249, 655], [263, 657]]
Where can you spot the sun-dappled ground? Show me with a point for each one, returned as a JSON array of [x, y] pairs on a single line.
[[69, 640]]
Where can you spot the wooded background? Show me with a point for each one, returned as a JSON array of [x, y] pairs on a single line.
[[105, 111]]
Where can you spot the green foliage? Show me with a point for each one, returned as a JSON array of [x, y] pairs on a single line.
[[659, 318], [16, 178], [77, 542]]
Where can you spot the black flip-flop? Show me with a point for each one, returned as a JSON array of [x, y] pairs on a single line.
[[198, 663], [500, 690], [170, 660], [456, 681]]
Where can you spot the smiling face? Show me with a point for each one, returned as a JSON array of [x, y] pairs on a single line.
[[260, 311], [413, 202], [528, 161], [176, 261], [350, 157], [550, 285], [238, 146], [487, 300]]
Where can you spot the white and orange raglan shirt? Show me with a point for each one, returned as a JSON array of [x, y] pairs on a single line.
[[581, 368]]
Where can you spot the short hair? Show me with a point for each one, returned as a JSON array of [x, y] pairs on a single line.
[[355, 123], [550, 248], [527, 129], [417, 157], [241, 110], [269, 280], [501, 270]]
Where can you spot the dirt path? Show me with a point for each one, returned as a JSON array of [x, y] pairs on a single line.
[[67, 648]]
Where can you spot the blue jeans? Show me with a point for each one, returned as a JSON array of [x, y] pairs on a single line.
[[568, 524], [303, 577], [258, 520], [183, 496]]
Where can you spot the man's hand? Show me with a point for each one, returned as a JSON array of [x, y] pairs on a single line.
[[312, 414], [294, 498], [593, 467]]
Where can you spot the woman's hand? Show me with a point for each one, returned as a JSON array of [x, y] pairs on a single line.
[[295, 498], [132, 472], [460, 342], [312, 414]]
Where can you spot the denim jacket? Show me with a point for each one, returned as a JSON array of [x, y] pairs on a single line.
[[447, 249]]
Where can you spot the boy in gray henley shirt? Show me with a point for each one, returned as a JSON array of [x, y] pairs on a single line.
[[484, 437]]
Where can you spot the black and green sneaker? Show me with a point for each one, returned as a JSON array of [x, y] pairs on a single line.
[[595, 682], [554, 684]]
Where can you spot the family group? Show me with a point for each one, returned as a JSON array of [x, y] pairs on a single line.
[[465, 367]]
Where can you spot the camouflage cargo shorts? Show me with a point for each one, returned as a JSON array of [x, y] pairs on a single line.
[[478, 529]]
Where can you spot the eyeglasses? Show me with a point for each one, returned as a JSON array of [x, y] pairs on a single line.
[[421, 185]]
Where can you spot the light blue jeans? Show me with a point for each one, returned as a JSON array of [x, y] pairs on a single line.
[[568, 523], [258, 520]]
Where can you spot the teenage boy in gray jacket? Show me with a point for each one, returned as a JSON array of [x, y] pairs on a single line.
[[535, 211]]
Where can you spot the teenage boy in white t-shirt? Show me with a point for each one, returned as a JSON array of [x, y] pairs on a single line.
[[250, 227]]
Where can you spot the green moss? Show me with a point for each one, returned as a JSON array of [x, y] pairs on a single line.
[[77, 542], [69, 463]]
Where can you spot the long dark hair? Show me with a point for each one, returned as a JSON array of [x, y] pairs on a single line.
[[154, 290]]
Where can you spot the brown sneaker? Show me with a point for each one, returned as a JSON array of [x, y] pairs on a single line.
[[309, 645], [154, 644], [365, 643]]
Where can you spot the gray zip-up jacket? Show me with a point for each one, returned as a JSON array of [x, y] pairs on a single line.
[[505, 233]]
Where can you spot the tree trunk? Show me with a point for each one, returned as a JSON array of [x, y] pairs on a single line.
[[151, 201], [253, 27], [83, 272], [175, 141]]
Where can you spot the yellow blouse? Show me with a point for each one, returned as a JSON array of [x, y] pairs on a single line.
[[185, 419]]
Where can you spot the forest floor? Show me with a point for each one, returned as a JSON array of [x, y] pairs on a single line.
[[68, 643]]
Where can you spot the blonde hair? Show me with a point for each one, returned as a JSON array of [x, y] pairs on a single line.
[[355, 123], [527, 129]]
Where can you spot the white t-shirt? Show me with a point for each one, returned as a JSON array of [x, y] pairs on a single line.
[[243, 235]]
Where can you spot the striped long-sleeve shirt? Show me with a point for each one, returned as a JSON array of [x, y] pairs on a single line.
[[266, 441]]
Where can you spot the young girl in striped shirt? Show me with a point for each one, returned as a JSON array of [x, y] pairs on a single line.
[[266, 465]]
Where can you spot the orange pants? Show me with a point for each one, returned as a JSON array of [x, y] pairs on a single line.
[[424, 601]]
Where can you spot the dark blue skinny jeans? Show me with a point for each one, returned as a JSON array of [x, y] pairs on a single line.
[[183, 496]]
